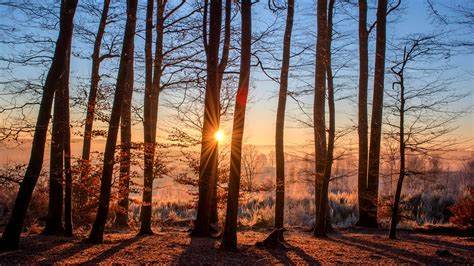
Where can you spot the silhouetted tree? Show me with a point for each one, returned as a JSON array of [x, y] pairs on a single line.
[[280, 121], [91, 103], [319, 103], [56, 75], [209, 152], [229, 239], [126, 62], [322, 223], [376, 121]]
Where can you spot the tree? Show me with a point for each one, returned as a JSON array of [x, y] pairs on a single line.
[[376, 122], [319, 103], [280, 121], [229, 239], [209, 152], [126, 62], [422, 105], [56, 76], [362, 127], [91, 103], [322, 223]]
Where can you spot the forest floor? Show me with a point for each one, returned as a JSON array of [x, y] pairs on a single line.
[[175, 246]]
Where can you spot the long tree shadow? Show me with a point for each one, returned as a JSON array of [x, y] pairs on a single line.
[[33, 246], [282, 255], [113, 250], [440, 243], [207, 251], [398, 254]]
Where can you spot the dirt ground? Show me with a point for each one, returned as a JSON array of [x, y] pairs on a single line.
[[174, 246]]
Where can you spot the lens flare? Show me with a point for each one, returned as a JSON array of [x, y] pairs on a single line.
[[219, 136]]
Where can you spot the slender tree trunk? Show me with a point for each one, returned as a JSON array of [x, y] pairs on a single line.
[[121, 220], [147, 120], [57, 72], [396, 204], [229, 240], [209, 153], [54, 222], [153, 80], [319, 103], [362, 115], [126, 61], [68, 231], [323, 224], [280, 122], [221, 68], [91, 104], [376, 123]]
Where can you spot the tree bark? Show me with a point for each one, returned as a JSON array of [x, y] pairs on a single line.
[[97, 233], [229, 240], [362, 128], [121, 216], [68, 231], [221, 69], [91, 104], [280, 122], [54, 221], [209, 153], [319, 103], [376, 123], [57, 72], [323, 222]]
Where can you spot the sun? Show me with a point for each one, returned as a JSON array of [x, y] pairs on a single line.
[[219, 135]]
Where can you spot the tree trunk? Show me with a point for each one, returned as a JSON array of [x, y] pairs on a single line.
[[323, 224], [91, 104], [147, 120], [57, 72], [126, 61], [362, 115], [319, 103], [54, 221], [221, 68], [121, 216], [153, 80], [209, 153], [376, 123], [67, 161], [229, 240], [396, 204], [280, 121]]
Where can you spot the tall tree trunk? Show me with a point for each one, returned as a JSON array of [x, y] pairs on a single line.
[[67, 162], [396, 204], [147, 120], [319, 103], [376, 123], [209, 153], [362, 128], [323, 223], [221, 69], [126, 61], [54, 221], [57, 72], [229, 240], [153, 80], [121, 220], [91, 104], [280, 121]]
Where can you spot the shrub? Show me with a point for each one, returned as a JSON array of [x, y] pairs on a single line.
[[463, 210]]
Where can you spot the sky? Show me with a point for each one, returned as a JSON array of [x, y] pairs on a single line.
[[261, 113]]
